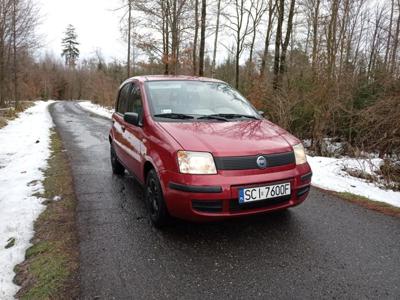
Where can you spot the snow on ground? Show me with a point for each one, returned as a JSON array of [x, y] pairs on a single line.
[[97, 109], [327, 172], [24, 150]]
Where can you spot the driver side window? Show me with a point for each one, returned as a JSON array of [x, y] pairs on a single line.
[[123, 99], [135, 100]]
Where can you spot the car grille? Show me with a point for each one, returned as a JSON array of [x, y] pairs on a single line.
[[209, 206], [250, 162], [235, 206]]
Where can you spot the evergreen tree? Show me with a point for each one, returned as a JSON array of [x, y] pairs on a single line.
[[69, 43]]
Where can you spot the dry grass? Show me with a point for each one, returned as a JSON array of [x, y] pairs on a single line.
[[391, 172], [382, 207], [12, 113], [50, 270]]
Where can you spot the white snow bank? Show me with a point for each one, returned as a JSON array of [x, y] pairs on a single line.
[[96, 109], [24, 150], [329, 173]]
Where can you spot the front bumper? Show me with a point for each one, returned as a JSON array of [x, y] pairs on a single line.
[[215, 197]]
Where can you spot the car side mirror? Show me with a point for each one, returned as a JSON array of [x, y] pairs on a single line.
[[132, 118], [261, 113]]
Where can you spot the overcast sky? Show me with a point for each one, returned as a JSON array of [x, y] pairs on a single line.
[[96, 24]]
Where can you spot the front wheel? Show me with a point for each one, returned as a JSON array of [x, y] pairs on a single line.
[[155, 201]]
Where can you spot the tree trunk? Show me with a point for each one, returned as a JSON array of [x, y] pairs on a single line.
[[395, 42], [374, 41], [196, 31], [174, 34], [278, 39], [389, 35], [271, 13], [2, 62], [237, 66], [331, 40], [315, 37], [128, 67], [166, 55], [203, 36], [16, 98], [216, 40], [253, 39], [289, 29]]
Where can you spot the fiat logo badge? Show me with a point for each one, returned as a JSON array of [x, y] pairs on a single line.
[[261, 162]]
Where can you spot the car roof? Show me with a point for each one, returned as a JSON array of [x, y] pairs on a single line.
[[146, 78]]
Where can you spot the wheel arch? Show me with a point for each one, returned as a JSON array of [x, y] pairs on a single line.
[[146, 169]]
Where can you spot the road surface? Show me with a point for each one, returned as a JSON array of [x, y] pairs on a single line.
[[325, 248]]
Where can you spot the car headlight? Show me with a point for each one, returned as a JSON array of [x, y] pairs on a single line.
[[300, 154], [196, 163]]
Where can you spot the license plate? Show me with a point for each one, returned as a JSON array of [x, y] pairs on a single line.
[[264, 192]]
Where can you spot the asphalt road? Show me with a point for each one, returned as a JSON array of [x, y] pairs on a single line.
[[325, 248]]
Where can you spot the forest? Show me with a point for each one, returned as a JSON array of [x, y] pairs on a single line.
[[319, 68]]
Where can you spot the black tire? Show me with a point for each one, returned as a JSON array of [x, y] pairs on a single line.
[[155, 203], [116, 166]]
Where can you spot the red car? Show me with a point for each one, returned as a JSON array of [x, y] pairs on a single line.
[[202, 151]]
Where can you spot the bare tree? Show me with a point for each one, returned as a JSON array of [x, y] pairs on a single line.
[[395, 41], [128, 61], [315, 17], [285, 44], [257, 11], [5, 10], [216, 39], [203, 36], [331, 38], [278, 41], [375, 37], [18, 20], [14, 33], [389, 35], [271, 16], [196, 31], [239, 23]]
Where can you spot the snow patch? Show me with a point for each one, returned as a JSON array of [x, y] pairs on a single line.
[[329, 173], [96, 109], [23, 157]]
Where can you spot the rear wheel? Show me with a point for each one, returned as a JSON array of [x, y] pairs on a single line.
[[116, 166], [155, 200]]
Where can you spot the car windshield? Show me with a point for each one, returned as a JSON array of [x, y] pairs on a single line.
[[195, 100]]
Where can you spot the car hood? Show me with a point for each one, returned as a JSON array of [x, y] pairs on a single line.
[[231, 138]]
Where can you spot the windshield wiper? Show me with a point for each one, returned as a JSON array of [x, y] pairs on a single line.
[[233, 116], [174, 116], [213, 117]]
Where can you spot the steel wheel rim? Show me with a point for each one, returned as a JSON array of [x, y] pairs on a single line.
[[113, 157], [152, 197]]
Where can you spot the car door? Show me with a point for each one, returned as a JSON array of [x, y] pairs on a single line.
[[119, 128], [133, 135]]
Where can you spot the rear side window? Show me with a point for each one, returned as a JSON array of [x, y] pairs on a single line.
[[123, 99]]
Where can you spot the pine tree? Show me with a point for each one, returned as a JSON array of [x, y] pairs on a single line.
[[69, 43]]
